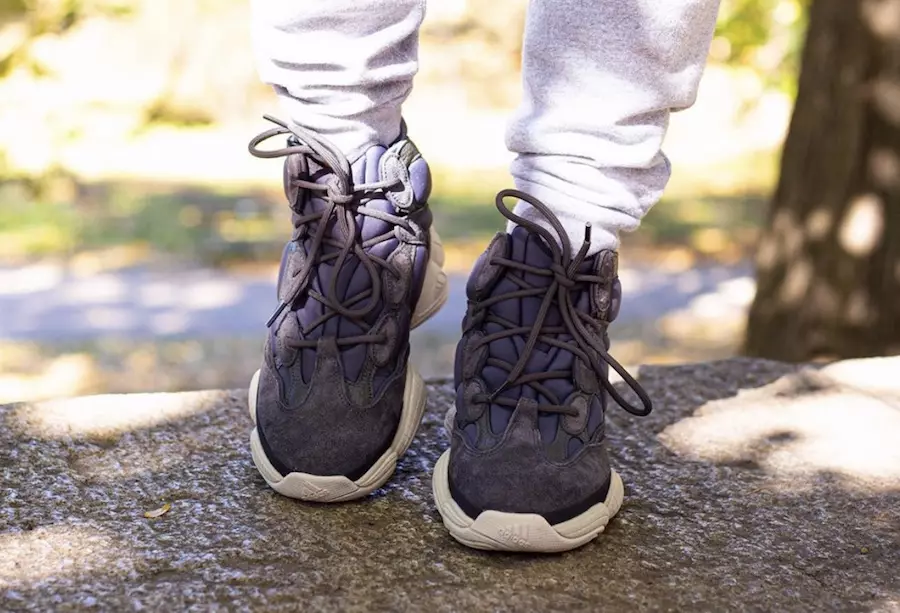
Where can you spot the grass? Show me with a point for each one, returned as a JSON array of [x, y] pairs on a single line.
[[192, 224], [211, 226]]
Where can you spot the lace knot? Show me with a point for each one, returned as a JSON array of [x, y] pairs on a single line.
[[337, 197], [561, 275], [585, 344], [339, 247]]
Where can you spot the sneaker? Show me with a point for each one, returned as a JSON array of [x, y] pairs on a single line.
[[528, 468], [335, 402]]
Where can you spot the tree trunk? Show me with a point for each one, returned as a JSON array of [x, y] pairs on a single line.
[[828, 265]]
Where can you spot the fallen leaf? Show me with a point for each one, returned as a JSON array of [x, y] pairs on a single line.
[[158, 512]]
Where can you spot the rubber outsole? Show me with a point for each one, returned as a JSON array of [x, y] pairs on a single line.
[[521, 532], [338, 488]]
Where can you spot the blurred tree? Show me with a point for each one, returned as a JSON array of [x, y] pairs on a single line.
[[828, 265]]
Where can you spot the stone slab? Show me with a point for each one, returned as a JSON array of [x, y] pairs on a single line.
[[782, 497]]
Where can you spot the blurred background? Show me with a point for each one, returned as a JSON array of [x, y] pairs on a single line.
[[139, 241]]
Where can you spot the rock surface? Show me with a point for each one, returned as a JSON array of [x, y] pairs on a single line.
[[785, 497]]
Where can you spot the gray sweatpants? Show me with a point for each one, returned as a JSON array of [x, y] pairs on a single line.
[[600, 80]]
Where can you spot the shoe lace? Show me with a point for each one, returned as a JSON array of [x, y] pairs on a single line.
[[344, 200], [584, 344]]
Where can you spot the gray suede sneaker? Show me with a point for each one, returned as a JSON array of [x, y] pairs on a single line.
[[528, 469], [335, 402]]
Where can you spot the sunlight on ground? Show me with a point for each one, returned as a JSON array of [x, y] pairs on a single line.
[[59, 376], [29, 279], [712, 317], [102, 416], [32, 371], [873, 375], [805, 424], [57, 551], [199, 296]]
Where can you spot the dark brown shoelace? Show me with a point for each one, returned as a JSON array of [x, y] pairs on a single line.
[[584, 344], [343, 201]]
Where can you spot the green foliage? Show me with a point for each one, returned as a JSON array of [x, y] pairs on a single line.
[[34, 228], [10, 9], [46, 17], [763, 35], [165, 111]]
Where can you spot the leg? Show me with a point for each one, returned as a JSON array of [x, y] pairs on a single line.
[[600, 80], [341, 68], [528, 467], [336, 402]]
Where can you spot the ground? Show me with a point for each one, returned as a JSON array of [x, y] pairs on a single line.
[[781, 497]]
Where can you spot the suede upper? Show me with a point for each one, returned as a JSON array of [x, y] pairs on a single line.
[[333, 375], [531, 376]]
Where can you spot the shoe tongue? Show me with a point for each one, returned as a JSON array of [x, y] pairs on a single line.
[[364, 170], [353, 277], [529, 248]]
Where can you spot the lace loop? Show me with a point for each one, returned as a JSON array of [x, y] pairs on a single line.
[[586, 344], [343, 201]]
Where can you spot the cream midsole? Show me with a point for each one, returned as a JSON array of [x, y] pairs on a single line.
[[435, 288], [528, 532]]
